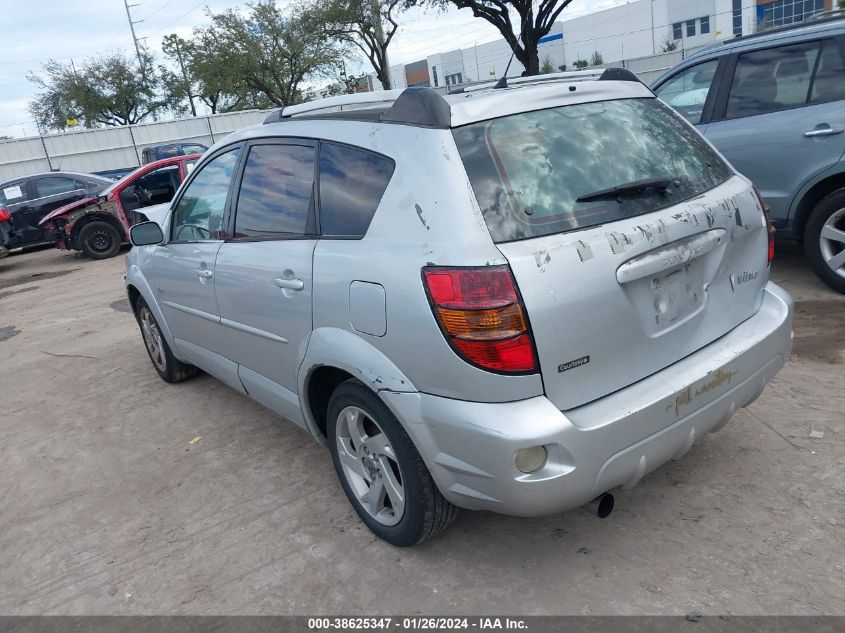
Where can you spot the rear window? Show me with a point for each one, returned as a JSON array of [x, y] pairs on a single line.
[[528, 169]]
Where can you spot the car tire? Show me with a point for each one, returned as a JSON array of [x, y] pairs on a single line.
[[170, 368], [824, 240], [99, 240], [372, 454]]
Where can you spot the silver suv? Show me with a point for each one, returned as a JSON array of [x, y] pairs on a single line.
[[508, 299]]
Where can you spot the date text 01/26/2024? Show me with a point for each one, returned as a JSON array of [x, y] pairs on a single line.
[[415, 623]]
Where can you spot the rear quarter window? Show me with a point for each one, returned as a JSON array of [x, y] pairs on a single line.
[[352, 182], [527, 170]]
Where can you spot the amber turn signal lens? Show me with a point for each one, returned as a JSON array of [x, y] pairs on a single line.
[[495, 323]]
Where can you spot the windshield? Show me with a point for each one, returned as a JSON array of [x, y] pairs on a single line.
[[119, 183], [529, 169]]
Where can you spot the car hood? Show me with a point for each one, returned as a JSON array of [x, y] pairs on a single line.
[[156, 213], [73, 206]]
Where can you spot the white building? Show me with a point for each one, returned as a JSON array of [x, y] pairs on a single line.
[[633, 30]]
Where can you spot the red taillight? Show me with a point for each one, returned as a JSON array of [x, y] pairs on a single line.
[[769, 226], [4, 214], [480, 314]]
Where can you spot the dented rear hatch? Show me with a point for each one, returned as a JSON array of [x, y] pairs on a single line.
[[618, 284]]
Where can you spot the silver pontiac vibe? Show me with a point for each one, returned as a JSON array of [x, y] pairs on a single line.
[[507, 299]]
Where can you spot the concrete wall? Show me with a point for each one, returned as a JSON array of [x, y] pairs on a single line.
[[115, 147]]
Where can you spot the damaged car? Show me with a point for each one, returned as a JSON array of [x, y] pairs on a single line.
[[98, 226], [510, 299]]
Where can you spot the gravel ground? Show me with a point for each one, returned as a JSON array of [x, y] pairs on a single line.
[[108, 507]]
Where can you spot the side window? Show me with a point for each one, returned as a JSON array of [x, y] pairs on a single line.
[[687, 91], [147, 156], [771, 80], [276, 190], [199, 213], [168, 151], [13, 193], [352, 182], [53, 185], [193, 149], [829, 82]]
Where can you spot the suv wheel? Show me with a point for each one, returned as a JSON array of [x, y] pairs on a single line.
[[99, 240], [166, 364], [824, 240], [381, 471]]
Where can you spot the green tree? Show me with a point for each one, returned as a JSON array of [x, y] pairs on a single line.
[[533, 20], [597, 59], [263, 55], [547, 67], [369, 25], [581, 64], [107, 90], [205, 75]]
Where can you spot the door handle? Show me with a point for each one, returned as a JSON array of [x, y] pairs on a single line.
[[824, 131], [204, 273], [290, 284]]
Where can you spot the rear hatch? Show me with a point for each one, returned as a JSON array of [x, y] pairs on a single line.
[[619, 284]]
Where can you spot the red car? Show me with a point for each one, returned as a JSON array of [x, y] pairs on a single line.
[[99, 226]]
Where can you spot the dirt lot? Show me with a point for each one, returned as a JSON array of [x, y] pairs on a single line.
[[109, 508]]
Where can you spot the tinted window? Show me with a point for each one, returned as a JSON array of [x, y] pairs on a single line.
[[352, 183], [199, 213], [527, 170], [276, 190], [53, 185], [193, 149], [687, 91], [772, 79], [829, 83], [13, 193], [168, 151]]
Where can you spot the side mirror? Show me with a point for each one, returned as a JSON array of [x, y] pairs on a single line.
[[145, 234]]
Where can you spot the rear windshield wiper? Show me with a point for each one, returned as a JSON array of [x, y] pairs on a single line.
[[634, 187]]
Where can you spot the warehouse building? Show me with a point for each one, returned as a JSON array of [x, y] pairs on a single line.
[[633, 30]]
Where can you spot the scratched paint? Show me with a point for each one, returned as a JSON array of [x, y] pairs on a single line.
[[542, 257], [617, 242], [584, 251], [422, 217]]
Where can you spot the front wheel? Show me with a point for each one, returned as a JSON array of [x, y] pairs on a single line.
[[99, 240], [824, 240], [381, 470], [170, 368]]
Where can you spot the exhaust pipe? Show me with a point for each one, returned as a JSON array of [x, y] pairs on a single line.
[[601, 506]]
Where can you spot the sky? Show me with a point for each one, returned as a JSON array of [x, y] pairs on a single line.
[[38, 30]]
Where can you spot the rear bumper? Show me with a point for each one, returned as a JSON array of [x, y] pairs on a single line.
[[470, 446]]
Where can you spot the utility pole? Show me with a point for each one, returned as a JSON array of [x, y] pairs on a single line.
[[132, 28]]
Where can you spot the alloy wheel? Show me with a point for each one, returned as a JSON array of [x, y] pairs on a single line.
[[832, 242], [152, 339], [370, 465]]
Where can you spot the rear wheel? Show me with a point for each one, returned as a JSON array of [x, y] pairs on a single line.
[[824, 240], [99, 240], [381, 470], [166, 364]]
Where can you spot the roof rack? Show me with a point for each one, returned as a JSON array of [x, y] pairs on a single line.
[[597, 74], [419, 106]]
